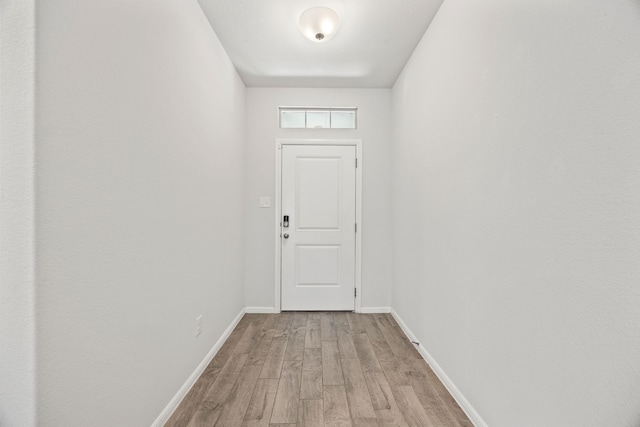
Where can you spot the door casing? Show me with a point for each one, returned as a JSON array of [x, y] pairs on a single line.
[[278, 212]]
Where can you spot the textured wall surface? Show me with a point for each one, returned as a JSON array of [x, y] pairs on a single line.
[[139, 205], [17, 317], [517, 210], [374, 128]]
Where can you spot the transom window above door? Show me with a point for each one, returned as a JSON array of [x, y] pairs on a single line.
[[318, 117]]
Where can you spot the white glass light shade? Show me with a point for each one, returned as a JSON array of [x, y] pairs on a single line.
[[319, 24]]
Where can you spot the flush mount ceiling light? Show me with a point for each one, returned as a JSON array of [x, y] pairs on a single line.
[[319, 24]]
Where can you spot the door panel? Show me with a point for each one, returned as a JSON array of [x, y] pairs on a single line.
[[318, 265], [318, 200], [318, 257]]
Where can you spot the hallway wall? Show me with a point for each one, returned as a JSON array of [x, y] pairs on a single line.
[[17, 287], [517, 210], [374, 128], [140, 129]]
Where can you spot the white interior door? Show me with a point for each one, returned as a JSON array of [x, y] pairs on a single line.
[[318, 243]]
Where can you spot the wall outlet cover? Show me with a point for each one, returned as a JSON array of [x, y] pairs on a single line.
[[198, 325]]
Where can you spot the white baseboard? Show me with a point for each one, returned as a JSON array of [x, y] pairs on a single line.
[[457, 395], [173, 404], [269, 310], [372, 310], [260, 310]]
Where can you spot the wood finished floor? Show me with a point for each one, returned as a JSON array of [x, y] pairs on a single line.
[[318, 369]]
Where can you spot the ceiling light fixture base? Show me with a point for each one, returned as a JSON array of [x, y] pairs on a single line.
[[319, 23]]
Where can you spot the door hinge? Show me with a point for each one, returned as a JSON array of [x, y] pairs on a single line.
[[356, 163], [355, 292]]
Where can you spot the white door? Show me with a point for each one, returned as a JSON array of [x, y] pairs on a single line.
[[318, 243]]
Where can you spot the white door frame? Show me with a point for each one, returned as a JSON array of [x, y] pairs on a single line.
[[278, 210]]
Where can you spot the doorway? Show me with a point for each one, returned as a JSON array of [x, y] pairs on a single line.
[[318, 208]]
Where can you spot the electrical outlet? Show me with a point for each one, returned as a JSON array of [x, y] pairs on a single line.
[[198, 325]]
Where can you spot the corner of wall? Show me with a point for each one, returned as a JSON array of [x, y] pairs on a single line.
[[180, 395], [464, 404]]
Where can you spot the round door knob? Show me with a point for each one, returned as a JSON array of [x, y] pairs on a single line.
[[285, 235]]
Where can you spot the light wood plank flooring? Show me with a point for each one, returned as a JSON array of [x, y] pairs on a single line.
[[318, 369]]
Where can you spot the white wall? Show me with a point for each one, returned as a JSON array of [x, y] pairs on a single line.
[[517, 210], [262, 131], [17, 317], [140, 121]]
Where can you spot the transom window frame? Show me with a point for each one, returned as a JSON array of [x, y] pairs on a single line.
[[308, 110]]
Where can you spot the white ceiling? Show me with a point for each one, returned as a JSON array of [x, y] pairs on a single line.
[[374, 42]]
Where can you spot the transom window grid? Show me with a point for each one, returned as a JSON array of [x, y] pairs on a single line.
[[317, 117]]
